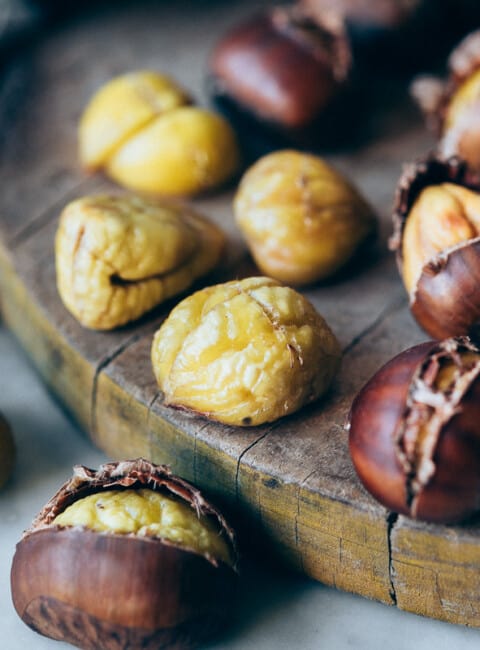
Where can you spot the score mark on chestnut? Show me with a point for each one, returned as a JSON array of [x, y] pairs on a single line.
[[129, 556], [414, 432], [282, 68]]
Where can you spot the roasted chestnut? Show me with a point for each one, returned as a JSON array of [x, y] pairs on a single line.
[[437, 242], [141, 129], [282, 68], [452, 107], [302, 219], [129, 556], [244, 352], [415, 432]]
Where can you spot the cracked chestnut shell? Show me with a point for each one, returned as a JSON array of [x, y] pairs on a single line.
[[415, 432], [437, 243], [451, 106], [110, 591], [282, 68]]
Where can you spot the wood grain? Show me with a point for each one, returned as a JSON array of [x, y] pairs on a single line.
[[290, 485]]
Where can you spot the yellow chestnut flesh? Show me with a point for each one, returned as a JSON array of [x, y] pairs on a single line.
[[141, 131], [466, 94], [117, 257], [7, 451], [461, 135], [144, 512], [301, 219], [443, 216], [245, 352]]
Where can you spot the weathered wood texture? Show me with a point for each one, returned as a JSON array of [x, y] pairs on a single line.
[[291, 483]]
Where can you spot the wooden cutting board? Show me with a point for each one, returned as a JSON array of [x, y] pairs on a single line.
[[290, 485]]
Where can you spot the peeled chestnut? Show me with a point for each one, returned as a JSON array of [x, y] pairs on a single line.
[[130, 557], [437, 242], [452, 106], [415, 432], [282, 68]]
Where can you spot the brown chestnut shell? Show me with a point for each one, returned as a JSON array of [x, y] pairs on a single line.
[[282, 68], [112, 591], [446, 299], [443, 483]]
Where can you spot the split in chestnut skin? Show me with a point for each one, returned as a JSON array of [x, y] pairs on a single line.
[[100, 589], [414, 432]]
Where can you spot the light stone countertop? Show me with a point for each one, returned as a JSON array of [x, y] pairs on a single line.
[[275, 611]]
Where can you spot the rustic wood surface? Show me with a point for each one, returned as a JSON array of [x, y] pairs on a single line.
[[290, 484]]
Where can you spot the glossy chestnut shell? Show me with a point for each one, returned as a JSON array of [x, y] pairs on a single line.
[[415, 448], [281, 68], [446, 299], [106, 591]]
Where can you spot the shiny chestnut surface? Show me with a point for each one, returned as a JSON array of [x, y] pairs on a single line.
[[280, 67], [415, 448]]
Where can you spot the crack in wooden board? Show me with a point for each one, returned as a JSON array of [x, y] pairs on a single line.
[[440, 566]]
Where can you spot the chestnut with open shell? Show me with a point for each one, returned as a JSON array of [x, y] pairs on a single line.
[[414, 432], [107, 590]]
